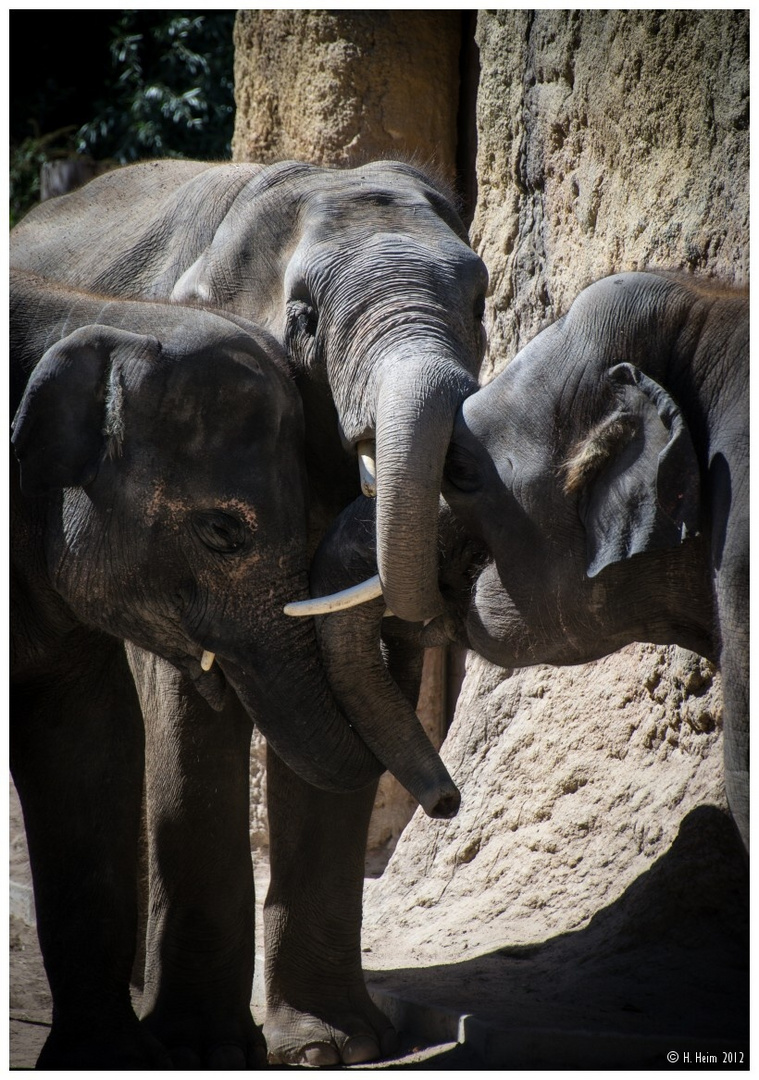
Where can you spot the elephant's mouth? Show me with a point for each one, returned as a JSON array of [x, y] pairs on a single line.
[[208, 680], [446, 629]]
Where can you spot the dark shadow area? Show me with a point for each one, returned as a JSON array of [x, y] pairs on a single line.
[[669, 958], [466, 148]]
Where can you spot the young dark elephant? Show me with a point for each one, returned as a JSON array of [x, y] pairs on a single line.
[[366, 278], [606, 472], [149, 509]]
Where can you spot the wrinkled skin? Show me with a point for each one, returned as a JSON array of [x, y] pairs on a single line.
[[366, 279], [150, 512], [606, 473]]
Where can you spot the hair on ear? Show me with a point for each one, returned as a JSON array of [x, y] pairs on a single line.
[[591, 454], [113, 427]]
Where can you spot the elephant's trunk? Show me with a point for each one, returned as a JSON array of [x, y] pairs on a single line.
[[416, 408], [283, 688], [350, 647]]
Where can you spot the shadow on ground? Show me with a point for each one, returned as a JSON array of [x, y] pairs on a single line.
[[665, 968], [662, 970]]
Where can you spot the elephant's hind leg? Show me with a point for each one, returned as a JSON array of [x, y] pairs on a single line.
[[318, 1009]]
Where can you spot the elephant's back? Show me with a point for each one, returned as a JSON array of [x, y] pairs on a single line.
[[130, 232]]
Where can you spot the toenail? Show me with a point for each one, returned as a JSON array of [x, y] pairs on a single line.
[[320, 1054], [359, 1049]]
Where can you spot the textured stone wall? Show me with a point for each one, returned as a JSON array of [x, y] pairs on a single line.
[[607, 141], [343, 87]]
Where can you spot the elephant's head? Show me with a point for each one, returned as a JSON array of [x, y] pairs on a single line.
[[367, 278], [576, 469], [170, 461]]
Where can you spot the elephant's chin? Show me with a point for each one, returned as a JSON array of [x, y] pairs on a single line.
[[494, 628], [506, 636]]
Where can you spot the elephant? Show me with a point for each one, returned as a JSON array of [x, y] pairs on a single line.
[[158, 526], [366, 279], [604, 475], [365, 276]]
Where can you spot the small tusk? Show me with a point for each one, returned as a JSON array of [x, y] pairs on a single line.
[[207, 659], [367, 466], [339, 601]]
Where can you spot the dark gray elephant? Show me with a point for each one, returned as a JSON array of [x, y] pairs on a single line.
[[364, 276], [366, 279], [605, 472], [160, 501]]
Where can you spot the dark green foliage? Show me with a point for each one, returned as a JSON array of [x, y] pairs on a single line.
[[167, 91], [171, 94]]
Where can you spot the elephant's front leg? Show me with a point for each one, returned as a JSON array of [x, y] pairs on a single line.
[[318, 1009], [76, 748], [201, 922]]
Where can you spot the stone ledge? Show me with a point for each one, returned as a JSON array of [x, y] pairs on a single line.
[[554, 1048]]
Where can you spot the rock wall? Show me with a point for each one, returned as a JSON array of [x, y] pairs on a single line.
[[606, 141], [343, 87]]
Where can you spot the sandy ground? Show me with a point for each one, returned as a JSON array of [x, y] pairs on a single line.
[[647, 976]]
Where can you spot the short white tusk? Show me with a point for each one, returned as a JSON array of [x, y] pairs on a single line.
[[207, 659], [367, 466], [339, 601]]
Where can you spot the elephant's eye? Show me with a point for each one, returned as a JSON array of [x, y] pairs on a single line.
[[462, 470], [479, 308], [301, 319], [220, 531], [301, 340]]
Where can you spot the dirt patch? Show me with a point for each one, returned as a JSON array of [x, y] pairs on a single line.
[[593, 880]]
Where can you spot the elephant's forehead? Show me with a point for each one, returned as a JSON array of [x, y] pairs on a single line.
[[166, 502], [334, 215], [389, 202], [213, 392], [387, 253]]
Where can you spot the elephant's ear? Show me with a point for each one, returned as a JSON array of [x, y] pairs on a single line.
[[72, 407], [644, 490]]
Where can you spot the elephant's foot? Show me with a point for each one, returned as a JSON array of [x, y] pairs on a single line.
[[338, 1029], [122, 1045], [205, 1042]]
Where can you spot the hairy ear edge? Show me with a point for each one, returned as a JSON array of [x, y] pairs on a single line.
[[589, 455]]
